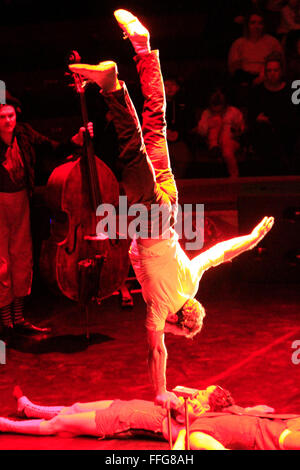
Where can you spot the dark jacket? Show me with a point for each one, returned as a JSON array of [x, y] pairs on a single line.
[[35, 146], [238, 410]]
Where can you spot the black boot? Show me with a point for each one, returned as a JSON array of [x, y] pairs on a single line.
[[21, 326], [25, 328]]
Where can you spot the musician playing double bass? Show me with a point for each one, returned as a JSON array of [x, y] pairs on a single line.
[[20, 148]]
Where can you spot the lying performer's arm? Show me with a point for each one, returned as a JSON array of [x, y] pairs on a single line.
[[260, 409], [157, 362], [201, 441], [229, 249], [180, 441], [198, 441]]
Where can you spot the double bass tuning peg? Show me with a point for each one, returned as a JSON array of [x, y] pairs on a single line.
[[79, 84]]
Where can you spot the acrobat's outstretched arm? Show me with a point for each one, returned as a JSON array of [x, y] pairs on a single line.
[[229, 249], [238, 245]]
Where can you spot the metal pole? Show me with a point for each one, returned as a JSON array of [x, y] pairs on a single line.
[[170, 429], [187, 436]]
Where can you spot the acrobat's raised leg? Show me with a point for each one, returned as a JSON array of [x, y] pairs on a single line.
[[137, 172]]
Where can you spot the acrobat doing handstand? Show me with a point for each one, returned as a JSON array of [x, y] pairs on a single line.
[[169, 279]]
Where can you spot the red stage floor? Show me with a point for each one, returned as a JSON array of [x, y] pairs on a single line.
[[245, 346]]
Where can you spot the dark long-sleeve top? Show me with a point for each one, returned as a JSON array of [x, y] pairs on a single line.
[[237, 428], [31, 147], [276, 105]]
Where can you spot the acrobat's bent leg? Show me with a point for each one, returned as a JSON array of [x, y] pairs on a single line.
[[138, 176]]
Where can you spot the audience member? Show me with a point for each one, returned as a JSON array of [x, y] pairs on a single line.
[[293, 61], [272, 14], [242, 8], [273, 120], [221, 125], [289, 19], [247, 55]]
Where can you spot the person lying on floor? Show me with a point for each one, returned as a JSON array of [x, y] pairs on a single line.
[[242, 432], [111, 418], [216, 422]]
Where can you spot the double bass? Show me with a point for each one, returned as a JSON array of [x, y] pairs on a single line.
[[74, 260]]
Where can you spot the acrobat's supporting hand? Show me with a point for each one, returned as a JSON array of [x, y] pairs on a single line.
[[168, 400]]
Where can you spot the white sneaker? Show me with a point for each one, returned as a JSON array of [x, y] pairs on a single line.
[[134, 30], [105, 74]]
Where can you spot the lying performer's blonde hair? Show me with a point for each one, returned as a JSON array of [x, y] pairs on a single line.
[[218, 400]]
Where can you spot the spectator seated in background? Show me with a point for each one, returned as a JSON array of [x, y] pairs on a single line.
[[221, 125], [241, 10], [272, 11], [273, 120], [247, 55], [180, 121], [289, 19], [293, 61]]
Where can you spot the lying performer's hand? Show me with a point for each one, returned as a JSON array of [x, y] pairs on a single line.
[[260, 409], [168, 400]]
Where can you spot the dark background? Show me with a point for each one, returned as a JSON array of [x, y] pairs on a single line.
[[36, 39]]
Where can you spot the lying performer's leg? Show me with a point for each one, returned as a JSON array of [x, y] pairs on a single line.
[[117, 417], [32, 410], [33, 426], [90, 406], [29, 409], [82, 424], [115, 420]]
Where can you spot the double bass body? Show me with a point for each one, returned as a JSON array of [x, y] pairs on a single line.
[[73, 238]]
